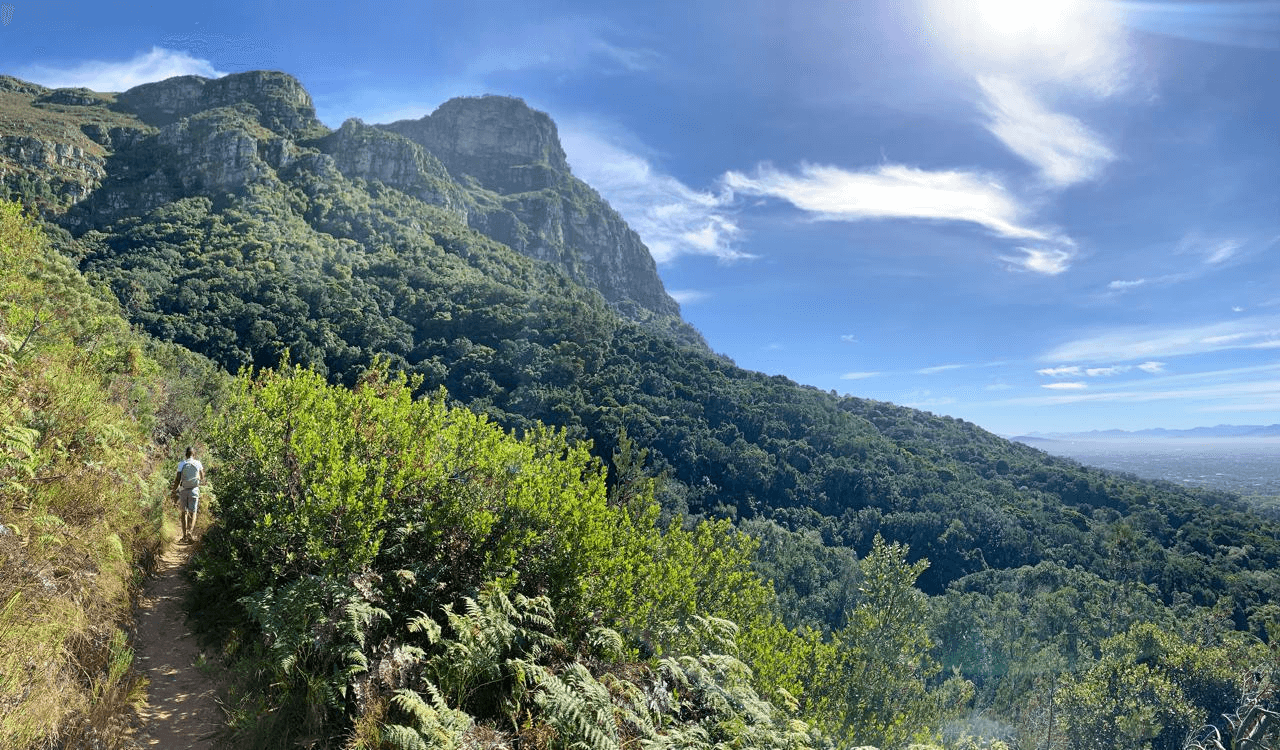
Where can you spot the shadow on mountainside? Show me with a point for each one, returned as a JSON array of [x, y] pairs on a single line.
[[181, 709]]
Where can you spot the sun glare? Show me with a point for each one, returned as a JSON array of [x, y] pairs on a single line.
[[1017, 20], [1080, 40]]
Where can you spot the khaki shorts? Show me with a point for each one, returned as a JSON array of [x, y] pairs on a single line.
[[189, 499]]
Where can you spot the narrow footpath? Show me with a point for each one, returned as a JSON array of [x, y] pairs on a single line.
[[181, 710]]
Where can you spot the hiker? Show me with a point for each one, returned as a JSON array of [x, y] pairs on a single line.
[[186, 483]]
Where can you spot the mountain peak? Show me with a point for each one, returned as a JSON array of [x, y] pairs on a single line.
[[501, 141], [283, 104]]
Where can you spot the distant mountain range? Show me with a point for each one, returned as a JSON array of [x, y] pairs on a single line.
[[1220, 431]]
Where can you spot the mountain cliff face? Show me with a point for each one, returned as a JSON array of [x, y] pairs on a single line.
[[492, 163], [530, 201]]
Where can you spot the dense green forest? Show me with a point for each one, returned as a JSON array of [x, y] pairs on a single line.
[[334, 275], [462, 496]]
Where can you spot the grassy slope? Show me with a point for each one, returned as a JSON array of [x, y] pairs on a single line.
[[89, 413]]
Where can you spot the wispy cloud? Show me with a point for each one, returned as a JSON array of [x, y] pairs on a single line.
[[1067, 386], [1047, 261], [1095, 372], [1250, 391], [1060, 146], [939, 368], [1122, 285], [858, 375], [1223, 251], [672, 218], [894, 191], [849, 338], [560, 44], [1240, 24], [1223, 383], [688, 296], [1077, 43], [101, 75], [1126, 344]]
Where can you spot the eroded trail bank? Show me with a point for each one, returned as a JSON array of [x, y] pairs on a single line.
[[181, 710]]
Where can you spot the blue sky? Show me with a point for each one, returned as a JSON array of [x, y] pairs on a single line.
[[1051, 215]]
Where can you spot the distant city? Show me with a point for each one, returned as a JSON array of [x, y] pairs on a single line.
[[1238, 458]]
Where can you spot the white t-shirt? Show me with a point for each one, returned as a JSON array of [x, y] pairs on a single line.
[[191, 469]]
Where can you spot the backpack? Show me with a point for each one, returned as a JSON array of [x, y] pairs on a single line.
[[190, 475]]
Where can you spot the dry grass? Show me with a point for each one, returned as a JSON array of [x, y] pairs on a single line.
[[81, 475]]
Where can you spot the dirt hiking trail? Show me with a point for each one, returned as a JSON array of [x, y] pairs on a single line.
[[181, 711]]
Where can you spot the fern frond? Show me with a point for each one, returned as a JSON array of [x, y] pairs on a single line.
[[426, 625], [401, 737], [606, 643], [411, 703]]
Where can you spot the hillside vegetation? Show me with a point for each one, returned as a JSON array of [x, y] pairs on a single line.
[[89, 413], [929, 579]]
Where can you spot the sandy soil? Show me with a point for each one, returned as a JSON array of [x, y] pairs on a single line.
[[181, 710]]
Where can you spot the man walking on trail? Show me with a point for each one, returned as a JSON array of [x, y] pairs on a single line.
[[187, 484]]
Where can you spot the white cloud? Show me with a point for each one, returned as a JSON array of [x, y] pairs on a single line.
[[1222, 391], [1103, 372], [1222, 251], [1124, 344], [1237, 309], [893, 191], [999, 387], [849, 338], [858, 375], [98, 75], [1047, 261], [1058, 372], [672, 218], [938, 368], [1152, 367], [688, 296], [1068, 386], [1126, 284], [1060, 146]]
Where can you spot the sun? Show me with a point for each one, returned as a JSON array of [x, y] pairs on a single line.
[[1022, 20], [1066, 38]]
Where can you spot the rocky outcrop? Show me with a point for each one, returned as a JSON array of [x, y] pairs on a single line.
[[491, 161], [216, 149], [282, 105], [69, 169], [507, 146], [76, 97], [541, 209], [368, 153]]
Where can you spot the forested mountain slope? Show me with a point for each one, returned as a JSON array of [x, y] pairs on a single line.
[[229, 220], [461, 250]]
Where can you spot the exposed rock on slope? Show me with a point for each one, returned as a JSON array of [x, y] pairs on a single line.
[[528, 199], [369, 153], [283, 106], [492, 162]]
